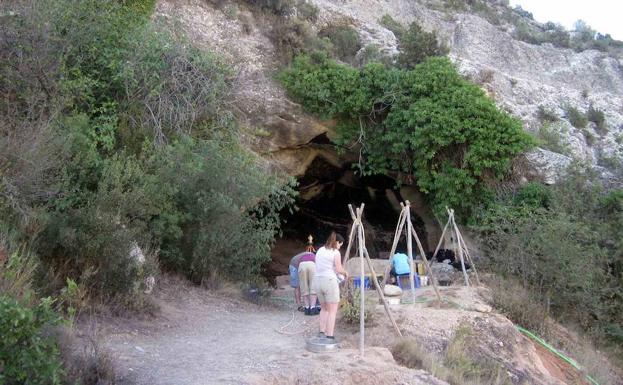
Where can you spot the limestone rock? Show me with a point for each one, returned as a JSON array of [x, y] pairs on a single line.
[[392, 291], [520, 77]]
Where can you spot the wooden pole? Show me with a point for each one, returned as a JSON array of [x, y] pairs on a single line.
[[465, 250], [429, 270], [380, 293], [362, 305], [399, 227], [410, 249], [350, 236], [443, 233], [459, 248], [376, 283]]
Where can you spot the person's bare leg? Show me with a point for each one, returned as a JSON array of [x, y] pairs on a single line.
[[306, 301], [322, 320], [297, 296], [331, 314], [312, 300]]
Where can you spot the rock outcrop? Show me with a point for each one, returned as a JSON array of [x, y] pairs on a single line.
[[519, 76]]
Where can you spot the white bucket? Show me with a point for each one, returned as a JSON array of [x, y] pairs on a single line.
[[423, 280]]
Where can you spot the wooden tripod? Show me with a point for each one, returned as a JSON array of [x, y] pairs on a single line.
[[410, 233], [357, 227]]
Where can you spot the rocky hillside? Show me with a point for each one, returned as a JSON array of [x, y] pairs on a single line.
[[543, 85]]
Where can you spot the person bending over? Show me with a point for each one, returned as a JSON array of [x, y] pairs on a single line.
[[294, 278], [328, 265], [307, 268]]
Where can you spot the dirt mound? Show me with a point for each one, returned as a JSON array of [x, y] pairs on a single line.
[[493, 339], [345, 367]]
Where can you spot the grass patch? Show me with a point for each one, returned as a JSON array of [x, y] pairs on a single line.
[[575, 117], [550, 138], [456, 365]]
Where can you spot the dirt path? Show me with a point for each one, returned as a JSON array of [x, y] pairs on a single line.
[[201, 338]]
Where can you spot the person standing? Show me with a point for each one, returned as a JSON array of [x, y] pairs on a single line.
[[328, 266]]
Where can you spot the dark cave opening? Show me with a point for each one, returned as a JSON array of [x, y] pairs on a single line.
[[325, 191]]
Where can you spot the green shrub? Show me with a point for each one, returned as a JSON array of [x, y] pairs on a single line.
[[519, 305], [546, 115], [372, 54], [307, 11], [557, 35], [562, 248], [225, 217], [550, 136], [596, 116], [534, 195], [345, 41], [427, 126], [16, 275], [351, 308], [28, 354], [525, 32], [589, 137], [416, 45], [457, 364], [293, 36], [278, 7], [83, 181], [142, 7], [388, 22], [575, 117]]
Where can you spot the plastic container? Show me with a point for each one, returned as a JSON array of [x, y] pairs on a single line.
[[424, 280], [366, 282]]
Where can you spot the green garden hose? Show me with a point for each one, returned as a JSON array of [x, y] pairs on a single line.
[[556, 352]]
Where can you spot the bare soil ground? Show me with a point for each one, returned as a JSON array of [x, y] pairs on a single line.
[[201, 337], [205, 337]]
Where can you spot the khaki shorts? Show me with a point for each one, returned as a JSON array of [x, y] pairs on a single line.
[[306, 276], [328, 289]]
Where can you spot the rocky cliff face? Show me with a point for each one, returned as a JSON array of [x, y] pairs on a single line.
[[520, 77]]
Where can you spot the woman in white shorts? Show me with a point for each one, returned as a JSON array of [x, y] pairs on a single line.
[[328, 265]]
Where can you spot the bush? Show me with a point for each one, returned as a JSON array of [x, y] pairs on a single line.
[[372, 54], [524, 32], [351, 308], [16, 274], [598, 117], [519, 305], [456, 364], [427, 126], [388, 22], [226, 216], [416, 45], [550, 136], [345, 41], [575, 117], [294, 36], [82, 177], [278, 7], [28, 354], [307, 11], [561, 248], [546, 115]]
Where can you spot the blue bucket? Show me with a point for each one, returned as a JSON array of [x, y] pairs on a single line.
[[366, 282]]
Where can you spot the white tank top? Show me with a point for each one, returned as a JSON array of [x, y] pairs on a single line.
[[325, 262]]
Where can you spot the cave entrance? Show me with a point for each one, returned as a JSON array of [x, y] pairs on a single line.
[[325, 190]]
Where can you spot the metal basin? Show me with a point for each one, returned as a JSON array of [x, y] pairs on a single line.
[[322, 345]]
